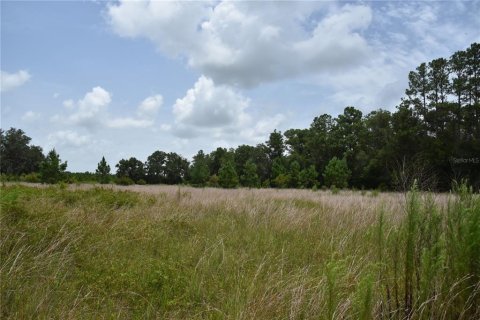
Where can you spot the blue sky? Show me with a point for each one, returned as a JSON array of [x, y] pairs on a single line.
[[120, 79]]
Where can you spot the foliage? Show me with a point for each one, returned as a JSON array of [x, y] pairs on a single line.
[[213, 181], [131, 168], [124, 181], [337, 173], [103, 171], [281, 181], [199, 172], [227, 176], [52, 170], [250, 178], [155, 167], [176, 168], [17, 156], [308, 177]]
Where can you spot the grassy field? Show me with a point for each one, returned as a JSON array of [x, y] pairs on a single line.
[[167, 252]]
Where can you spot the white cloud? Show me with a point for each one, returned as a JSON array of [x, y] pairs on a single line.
[[219, 114], [207, 105], [248, 43], [91, 112], [10, 81], [150, 106], [120, 123], [68, 138], [30, 116], [262, 129]]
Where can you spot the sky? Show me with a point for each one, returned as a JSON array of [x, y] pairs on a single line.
[[126, 78]]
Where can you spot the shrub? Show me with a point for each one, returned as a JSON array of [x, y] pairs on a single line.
[[213, 181], [124, 181], [31, 177]]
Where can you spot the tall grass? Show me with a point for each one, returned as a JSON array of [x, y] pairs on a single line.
[[184, 253]]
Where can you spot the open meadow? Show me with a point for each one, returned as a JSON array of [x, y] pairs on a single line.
[[169, 252]]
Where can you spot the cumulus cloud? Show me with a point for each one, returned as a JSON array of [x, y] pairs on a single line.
[[246, 44], [10, 81], [219, 113], [68, 138], [207, 105], [91, 112], [150, 106]]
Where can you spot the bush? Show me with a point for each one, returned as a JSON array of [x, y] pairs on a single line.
[[124, 181], [281, 181], [213, 181], [334, 189], [141, 182], [31, 177]]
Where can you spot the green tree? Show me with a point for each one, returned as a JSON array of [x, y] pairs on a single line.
[[176, 168], [155, 167], [276, 145], [103, 172], [308, 177], [243, 153], [337, 173], [131, 168], [227, 175], [215, 159], [16, 155], [250, 177], [52, 169], [199, 172], [418, 88], [438, 77], [319, 146], [260, 157], [294, 181]]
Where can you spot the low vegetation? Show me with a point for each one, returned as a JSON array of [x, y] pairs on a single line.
[[172, 252]]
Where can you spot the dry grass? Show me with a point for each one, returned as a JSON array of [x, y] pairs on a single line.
[[172, 252]]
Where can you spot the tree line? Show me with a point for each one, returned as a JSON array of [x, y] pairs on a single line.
[[433, 136]]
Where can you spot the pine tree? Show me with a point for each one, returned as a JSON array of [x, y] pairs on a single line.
[[199, 171], [52, 169], [227, 175], [308, 177], [103, 172], [294, 181], [250, 178]]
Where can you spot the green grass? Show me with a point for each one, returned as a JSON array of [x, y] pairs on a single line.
[[101, 253]]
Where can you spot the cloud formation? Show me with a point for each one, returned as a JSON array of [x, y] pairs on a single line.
[[219, 113], [207, 105], [243, 43], [10, 81], [68, 138], [91, 112]]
